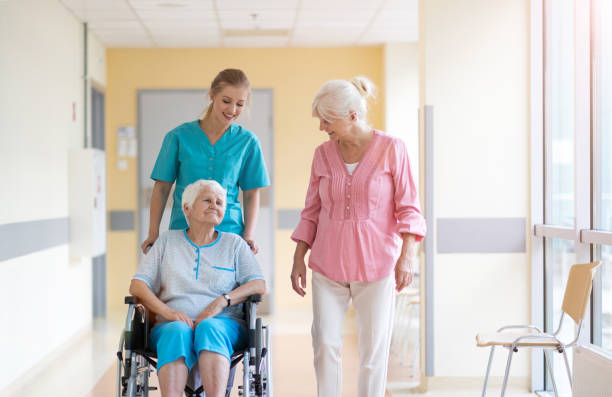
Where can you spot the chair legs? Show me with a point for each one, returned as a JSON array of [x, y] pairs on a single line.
[[510, 352], [569, 373], [503, 391], [484, 388], [509, 362], [550, 372]]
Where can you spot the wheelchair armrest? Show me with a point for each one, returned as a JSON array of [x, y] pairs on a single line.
[[254, 298], [131, 300]]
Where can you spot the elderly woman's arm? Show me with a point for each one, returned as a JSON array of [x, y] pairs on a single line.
[[237, 296], [141, 290]]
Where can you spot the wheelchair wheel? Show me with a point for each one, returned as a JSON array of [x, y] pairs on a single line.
[[133, 376]]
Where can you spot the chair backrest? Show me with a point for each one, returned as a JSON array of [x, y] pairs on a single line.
[[578, 290]]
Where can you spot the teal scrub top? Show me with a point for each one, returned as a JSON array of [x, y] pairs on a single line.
[[235, 161]]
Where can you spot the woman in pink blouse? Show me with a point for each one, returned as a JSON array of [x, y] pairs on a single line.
[[361, 222]]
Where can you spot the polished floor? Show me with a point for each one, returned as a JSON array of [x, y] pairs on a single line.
[[87, 366]]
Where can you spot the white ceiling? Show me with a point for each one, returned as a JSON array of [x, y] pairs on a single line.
[[248, 23]]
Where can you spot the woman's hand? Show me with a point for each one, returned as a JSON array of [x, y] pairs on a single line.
[[251, 244], [215, 307], [177, 315], [404, 272], [148, 243], [298, 276]]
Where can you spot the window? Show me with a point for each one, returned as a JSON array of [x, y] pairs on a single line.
[[602, 166], [572, 192]]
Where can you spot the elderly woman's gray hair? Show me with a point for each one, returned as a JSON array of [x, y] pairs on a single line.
[[192, 191], [338, 98]]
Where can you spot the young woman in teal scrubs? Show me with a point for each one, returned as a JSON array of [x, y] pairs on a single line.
[[212, 148]]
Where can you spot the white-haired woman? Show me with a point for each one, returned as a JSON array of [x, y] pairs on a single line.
[[361, 222], [195, 280]]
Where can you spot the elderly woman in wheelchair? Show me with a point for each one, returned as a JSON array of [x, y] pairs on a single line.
[[195, 280]]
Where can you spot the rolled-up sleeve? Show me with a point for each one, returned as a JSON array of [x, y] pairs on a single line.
[[306, 230], [149, 269], [407, 210], [247, 267]]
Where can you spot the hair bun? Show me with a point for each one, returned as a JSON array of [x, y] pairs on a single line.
[[366, 88]]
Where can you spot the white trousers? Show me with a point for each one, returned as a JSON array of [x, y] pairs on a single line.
[[373, 302]]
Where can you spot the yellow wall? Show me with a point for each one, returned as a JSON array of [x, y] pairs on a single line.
[[295, 75]]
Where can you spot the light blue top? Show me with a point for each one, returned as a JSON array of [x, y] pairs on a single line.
[[235, 161], [188, 277]]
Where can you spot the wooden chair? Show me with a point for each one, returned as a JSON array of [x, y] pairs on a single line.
[[575, 301]]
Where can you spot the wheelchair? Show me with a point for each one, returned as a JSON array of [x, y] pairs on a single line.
[[137, 360]]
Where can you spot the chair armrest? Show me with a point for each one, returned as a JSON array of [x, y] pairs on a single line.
[[131, 300], [520, 327]]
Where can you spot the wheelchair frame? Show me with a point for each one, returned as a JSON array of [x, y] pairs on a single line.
[[135, 358]]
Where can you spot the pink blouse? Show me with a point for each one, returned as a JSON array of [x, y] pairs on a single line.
[[353, 223]]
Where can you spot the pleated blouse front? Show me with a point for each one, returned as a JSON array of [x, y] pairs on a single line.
[[353, 223]]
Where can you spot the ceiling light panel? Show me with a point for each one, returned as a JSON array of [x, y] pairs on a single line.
[[95, 4], [253, 42], [334, 18], [325, 36], [115, 24], [110, 14], [170, 5], [347, 5], [264, 19], [258, 5], [192, 41]]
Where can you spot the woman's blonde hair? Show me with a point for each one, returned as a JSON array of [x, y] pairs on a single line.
[[231, 77], [338, 98]]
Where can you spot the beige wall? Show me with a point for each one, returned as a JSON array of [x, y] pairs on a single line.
[[295, 74], [46, 295], [474, 59], [401, 90]]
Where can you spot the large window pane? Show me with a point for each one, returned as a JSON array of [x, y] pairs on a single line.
[[560, 257], [602, 111], [559, 111], [602, 126]]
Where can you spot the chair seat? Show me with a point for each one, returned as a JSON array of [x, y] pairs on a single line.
[[506, 339]]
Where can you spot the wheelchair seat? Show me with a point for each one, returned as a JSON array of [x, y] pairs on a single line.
[[137, 359]]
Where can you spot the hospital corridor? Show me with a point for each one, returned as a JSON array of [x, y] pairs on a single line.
[[306, 198]]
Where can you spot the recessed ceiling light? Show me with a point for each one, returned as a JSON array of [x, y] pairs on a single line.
[[171, 5]]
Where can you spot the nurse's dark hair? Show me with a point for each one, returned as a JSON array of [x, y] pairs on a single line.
[[231, 77]]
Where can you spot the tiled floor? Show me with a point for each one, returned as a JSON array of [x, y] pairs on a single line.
[[88, 367]]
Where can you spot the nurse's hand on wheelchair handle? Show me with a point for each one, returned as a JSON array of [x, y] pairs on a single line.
[[298, 276], [148, 243], [211, 310], [252, 245], [177, 315]]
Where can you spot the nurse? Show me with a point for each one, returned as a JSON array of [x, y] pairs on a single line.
[[212, 148]]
